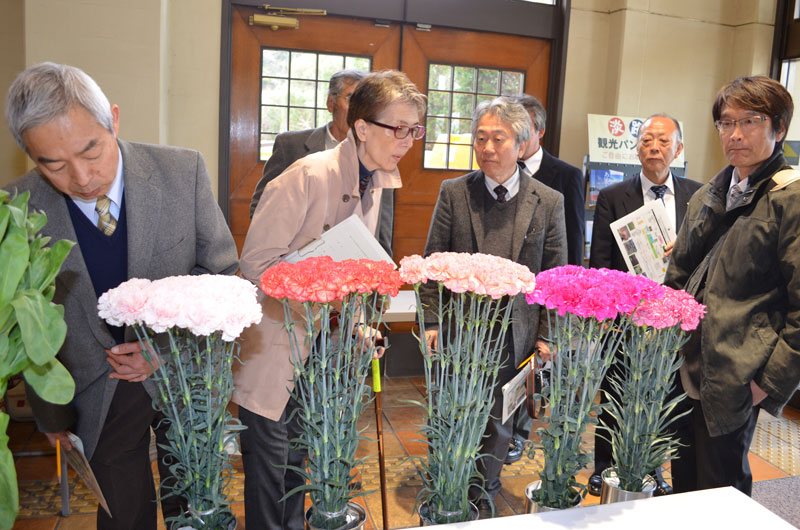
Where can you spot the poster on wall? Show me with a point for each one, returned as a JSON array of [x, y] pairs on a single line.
[[612, 140]]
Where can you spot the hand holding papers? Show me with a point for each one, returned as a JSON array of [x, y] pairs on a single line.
[[350, 239], [641, 236]]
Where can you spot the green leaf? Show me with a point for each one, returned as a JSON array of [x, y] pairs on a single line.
[[19, 208], [13, 262], [51, 382], [36, 221], [5, 215], [41, 324], [9, 494], [55, 258]]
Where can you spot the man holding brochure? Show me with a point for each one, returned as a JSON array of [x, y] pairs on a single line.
[[313, 195], [659, 143]]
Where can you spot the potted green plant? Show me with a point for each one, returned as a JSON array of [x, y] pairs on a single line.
[[331, 307], [187, 326], [641, 441], [475, 294], [585, 333], [32, 327]]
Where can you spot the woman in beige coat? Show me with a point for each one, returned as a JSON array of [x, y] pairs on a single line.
[[312, 195]]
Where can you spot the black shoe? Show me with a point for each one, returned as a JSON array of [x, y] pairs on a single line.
[[595, 484], [662, 488], [485, 509], [514, 454]]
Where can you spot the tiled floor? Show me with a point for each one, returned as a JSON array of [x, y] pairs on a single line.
[[775, 453]]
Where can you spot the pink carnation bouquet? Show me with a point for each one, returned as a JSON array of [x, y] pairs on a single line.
[[340, 304], [468, 298], [643, 403], [585, 332], [187, 326]]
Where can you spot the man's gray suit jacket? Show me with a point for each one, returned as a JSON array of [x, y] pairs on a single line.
[[538, 241], [294, 145], [175, 227]]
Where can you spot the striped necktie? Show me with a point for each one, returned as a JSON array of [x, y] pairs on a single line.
[[105, 221]]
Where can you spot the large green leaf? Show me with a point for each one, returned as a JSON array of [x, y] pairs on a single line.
[[13, 261], [16, 359], [51, 382], [41, 324], [19, 208], [5, 215], [9, 494], [36, 220], [54, 258]]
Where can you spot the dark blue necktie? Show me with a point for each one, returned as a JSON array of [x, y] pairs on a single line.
[[660, 191], [501, 193]]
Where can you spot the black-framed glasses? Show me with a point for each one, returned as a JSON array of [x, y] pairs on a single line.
[[726, 127], [402, 131]]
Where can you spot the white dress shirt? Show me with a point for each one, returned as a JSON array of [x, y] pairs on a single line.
[[669, 197]]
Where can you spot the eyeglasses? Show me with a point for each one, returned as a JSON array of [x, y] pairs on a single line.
[[746, 125], [402, 131]]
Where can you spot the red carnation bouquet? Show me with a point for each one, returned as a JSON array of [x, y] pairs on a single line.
[[341, 304]]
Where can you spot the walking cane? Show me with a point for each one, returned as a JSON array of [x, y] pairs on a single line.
[[376, 387]]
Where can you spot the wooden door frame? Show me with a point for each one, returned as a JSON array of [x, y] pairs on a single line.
[[497, 16]]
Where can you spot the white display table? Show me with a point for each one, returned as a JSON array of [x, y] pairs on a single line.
[[723, 508]]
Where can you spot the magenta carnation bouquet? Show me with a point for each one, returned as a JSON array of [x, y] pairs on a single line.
[[335, 304], [642, 405], [585, 332], [197, 319], [469, 299]]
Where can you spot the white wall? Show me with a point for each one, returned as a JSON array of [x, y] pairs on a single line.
[[157, 59], [640, 57]]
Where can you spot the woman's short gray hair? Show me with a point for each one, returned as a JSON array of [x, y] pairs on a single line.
[[509, 112], [46, 91]]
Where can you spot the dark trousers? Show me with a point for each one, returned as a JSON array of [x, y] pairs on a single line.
[[602, 447], [707, 461], [497, 435], [121, 462], [265, 447]]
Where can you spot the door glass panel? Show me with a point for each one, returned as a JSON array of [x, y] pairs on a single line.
[[294, 90], [453, 93]]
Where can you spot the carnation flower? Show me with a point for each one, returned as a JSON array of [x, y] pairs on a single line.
[[320, 279], [203, 304], [482, 274]]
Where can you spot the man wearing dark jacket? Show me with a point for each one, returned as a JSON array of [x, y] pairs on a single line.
[[739, 254]]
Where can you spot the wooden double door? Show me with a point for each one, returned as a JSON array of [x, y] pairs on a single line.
[[389, 45]]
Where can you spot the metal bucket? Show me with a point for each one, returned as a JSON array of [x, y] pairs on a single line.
[[611, 492], [531, 506], [425, 518], [354, 518]]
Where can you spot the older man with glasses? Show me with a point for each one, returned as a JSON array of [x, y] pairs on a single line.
[[738, 252]]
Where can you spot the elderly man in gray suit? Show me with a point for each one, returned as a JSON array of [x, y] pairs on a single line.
[[294, 145], [498, 210], [136, 211]]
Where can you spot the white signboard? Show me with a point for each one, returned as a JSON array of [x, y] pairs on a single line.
[[612, 140]]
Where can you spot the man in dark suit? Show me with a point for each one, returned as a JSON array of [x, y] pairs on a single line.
[[136, 211], [294, 145], [659, 143], [499, 211], [568, 180]]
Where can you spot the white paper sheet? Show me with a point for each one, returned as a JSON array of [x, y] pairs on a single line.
[[350, 239], [514, 392], [641, 236]]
